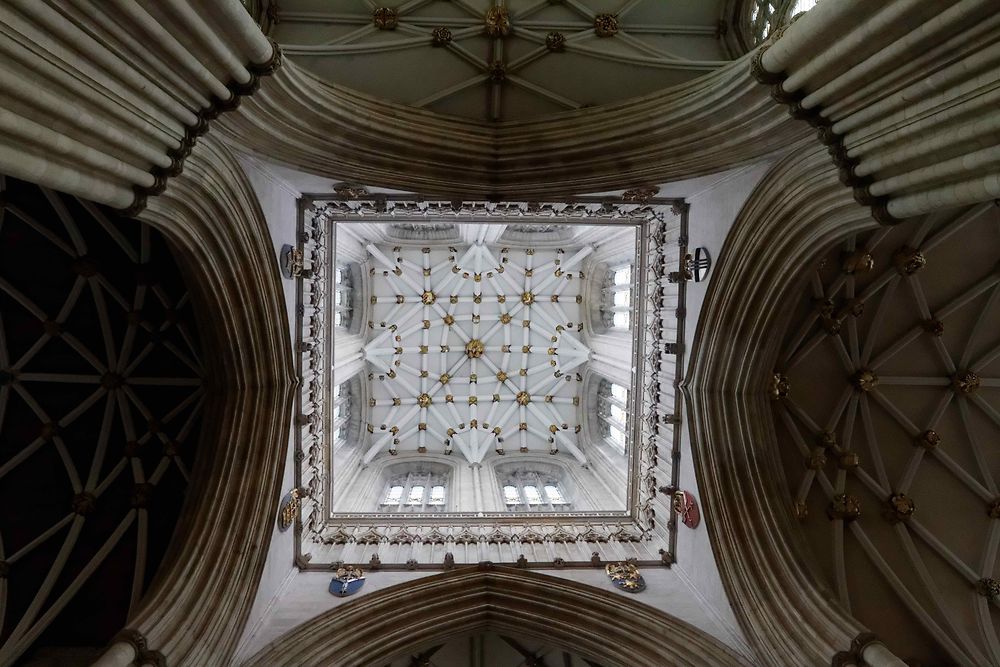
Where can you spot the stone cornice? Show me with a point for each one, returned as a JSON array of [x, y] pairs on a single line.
[[473, 599]]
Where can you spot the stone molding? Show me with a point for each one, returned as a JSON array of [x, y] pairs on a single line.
[[783, 605], [203, 592], [474, 599], [713, 123]]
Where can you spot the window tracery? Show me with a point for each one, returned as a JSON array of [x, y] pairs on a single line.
[[343, 300], [341, 411], [415, 491], [612, 410], [534, 491], [616, 298]]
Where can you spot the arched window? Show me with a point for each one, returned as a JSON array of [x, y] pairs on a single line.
[[415, 491], [341, 411], [343, 297], [612, 410], [534, 491], [616, 298]]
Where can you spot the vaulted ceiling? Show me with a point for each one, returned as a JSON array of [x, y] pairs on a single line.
[[889, 431], [497, 61], [100, 412], [476, 348]]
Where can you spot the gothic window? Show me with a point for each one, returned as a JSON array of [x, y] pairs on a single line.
[[533, 491], [616, 298], [341, 411], [612, 410], [415, 491], [343, 298]]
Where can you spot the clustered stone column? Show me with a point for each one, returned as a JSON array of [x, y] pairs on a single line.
[[867, 651], [903, 93], [105, 100]]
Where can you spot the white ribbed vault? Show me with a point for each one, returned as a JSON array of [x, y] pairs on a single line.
[[475, 348]]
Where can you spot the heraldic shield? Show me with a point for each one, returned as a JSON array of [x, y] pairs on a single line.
[[348, 581], [626, 577]]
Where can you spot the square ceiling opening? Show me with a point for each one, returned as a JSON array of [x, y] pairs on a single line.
[[483, 369]]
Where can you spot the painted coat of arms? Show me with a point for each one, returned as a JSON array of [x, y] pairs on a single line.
[[687, 508], [626, 577], [348, 581]]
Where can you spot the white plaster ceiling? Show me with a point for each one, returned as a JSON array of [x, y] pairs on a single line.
[[658, 44], [912, 580], [471, 344]]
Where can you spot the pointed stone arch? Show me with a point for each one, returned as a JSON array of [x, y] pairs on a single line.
[[416, 615]]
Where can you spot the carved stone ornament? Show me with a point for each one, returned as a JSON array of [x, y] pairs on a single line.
[[900, 508], [929, 439], [859, 261], [348, 581], [350, 190], [606, 25], [686, 507], [289, 509], [84, 503], [845, 507], [625, 576], [779, 386], [639, 195], [993, 509], [966, 382], [908, 260], [933, 326], [497, 71], [988, 588], [385, 18], [497, 22], [441, 36], [555, 42], [816, 459], [474, 348], [865, 380]]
